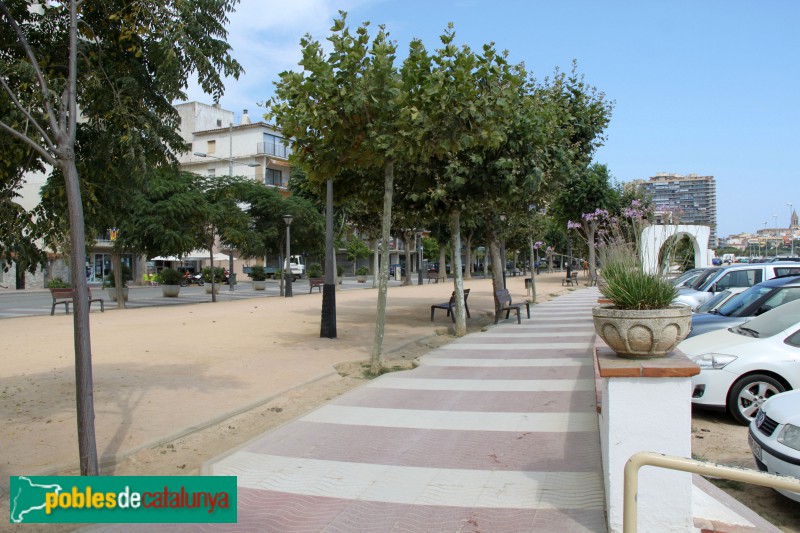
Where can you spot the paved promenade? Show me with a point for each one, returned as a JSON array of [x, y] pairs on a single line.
[[495, 432]]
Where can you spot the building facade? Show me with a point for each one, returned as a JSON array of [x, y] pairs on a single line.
[[693, 197]]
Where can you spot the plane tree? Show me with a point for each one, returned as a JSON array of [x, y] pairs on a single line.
[[347, 115], [59, 62]]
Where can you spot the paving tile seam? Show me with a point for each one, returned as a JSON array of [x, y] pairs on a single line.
[[416, 485], [454, 420], [538, 346], [501, 363], [499, 385]]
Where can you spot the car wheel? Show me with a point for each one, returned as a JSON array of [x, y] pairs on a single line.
[[747, 395]]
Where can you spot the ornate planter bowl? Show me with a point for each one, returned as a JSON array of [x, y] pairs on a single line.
[[652, 333], [259, 285]]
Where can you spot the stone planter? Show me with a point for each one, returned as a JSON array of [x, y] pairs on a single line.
[[170, 291], [112, 293], [652, 333], [259, 285], [208, 288], [361, 279]]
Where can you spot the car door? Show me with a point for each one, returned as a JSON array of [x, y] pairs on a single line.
[[739, 278]]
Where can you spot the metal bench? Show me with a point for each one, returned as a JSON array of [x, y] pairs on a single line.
[[66, 295], [315, 282], [502, 299], [432, 276], [450, 306]]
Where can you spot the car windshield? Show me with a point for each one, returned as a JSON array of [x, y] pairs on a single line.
[[701, 279], [681, 280], [740, 302], [712, 302], [775, 321]]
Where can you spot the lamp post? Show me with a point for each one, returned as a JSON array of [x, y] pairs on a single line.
[[791, 233], [288, 270], [775, 218]]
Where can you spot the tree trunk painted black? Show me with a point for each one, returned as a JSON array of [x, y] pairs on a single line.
[[327, 327]]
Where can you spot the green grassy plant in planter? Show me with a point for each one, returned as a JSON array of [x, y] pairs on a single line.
[[57, 283], [218, 275], [361, 274], [111, 284], [259, 277], [170, 281], [640, 320], [314, 271]]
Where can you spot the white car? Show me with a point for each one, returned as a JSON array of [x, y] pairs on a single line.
[[740, 367], [774, 437]]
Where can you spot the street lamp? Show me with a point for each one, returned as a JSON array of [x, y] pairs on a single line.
[[230, 174], [288, 292], [775, 217], [791, 233]]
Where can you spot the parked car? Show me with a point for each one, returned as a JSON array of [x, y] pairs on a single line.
[[718, 300], [743, 366], [742, 275], [774, 437], [686, 279], [749, 304]]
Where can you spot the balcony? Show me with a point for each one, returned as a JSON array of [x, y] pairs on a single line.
[[280, 149]]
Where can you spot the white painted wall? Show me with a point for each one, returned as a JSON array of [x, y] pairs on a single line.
[[647, 415], [653, 238]]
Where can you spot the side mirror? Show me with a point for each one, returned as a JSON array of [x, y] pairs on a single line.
[[713, 288]]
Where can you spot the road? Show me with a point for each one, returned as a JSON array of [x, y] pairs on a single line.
[[15, 304]]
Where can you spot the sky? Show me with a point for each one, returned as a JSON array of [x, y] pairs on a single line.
[[703, 87]]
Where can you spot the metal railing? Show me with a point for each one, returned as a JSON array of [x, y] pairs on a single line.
[[277, 148], [631, 479]]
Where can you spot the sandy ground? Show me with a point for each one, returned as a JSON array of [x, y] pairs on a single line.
[[176, 386]]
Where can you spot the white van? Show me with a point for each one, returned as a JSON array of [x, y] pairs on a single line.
[[741, 275]]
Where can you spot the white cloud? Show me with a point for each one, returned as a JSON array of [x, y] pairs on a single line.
[[265, 37]]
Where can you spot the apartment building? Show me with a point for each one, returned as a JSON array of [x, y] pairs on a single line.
[[218, 146], [693, 197]]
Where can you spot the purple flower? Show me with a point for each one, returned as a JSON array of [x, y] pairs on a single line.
[[573, 225], [537, 245]]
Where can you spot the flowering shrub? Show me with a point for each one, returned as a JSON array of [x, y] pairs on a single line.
[[616, 239]]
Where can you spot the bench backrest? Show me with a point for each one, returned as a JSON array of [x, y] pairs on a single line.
[[502, 297], [453, 297], [67, 292]]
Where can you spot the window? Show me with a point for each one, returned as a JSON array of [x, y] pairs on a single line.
[[212, 147], [794, 339], [212, 172], [273, 177], [219, 122], [739, 278]]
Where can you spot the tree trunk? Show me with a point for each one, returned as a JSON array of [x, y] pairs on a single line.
[[468, 246], [375, 263], [84, 386], [497, 263], [407, 240], [213, 274], [442, 263], [591, 228], [461, 317], [119, 283], [386, 226], [533, 271]]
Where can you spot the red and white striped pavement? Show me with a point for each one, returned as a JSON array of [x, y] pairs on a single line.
[[494, 432]]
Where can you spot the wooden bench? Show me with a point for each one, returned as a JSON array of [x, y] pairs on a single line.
[[432, 276], [502, 299], [66, 295], [450, 306], [315, 282], [571, 279]]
